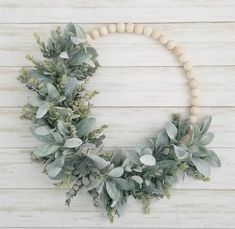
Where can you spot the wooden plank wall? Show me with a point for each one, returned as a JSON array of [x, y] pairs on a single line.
[[140, 85]]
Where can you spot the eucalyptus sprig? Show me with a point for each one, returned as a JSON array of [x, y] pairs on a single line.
[[72, 147]]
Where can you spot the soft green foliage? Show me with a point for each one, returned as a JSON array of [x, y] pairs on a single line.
[[72, 149]]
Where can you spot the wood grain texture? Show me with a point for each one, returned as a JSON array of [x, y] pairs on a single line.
[[140, 85], [26, 11], [204, 44], [185, 209]]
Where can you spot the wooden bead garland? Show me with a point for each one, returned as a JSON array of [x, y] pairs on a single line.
[[177, 51]]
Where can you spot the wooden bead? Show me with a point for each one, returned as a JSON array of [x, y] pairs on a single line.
[[177, 51], [95, 34], [121, 27], [103, 31], [88, 38], [130, 28], [195, 101], [156, 34], [188, 67], [195, 92], [170, 45], [182, 59], [163, 40], [190, 75], [193, 83], [139, 29], [112, 28], [193, 119], [194, 111], [148, 31]]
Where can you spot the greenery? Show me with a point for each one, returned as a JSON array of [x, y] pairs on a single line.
[[72, 148]]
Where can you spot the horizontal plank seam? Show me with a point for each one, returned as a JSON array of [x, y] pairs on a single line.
[[128, 107], [133, 66], [173, 189], [102, 22]]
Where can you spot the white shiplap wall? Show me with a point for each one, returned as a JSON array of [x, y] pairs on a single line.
[[140, 85]]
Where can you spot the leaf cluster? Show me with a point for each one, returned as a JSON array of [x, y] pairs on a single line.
[[72, 148]]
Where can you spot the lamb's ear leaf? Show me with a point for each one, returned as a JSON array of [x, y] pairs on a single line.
[[100, 162], [52, 91], [71, 86], [171, 130], [116, 172], [80, 32], [42, 138], [206, 138], [162, 140], [35, 101], [42, 110], [70, 29], [64, 55], [213, 159], [137, 179], [124, 184], [55, 167], [85, 126], [180, 152], [148, 160], [204, 124], [112, 190], [43, 130], [72, 142], [202, 166], [46, 150]]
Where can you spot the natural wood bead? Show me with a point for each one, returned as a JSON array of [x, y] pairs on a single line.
[[156, 34], [182, 59], [148, 31], [163, 40], [88, 38], [195, 101], [193, 83], [194, 111], [130, 28], [193, 119], [112, 28], [139, 29], [195, 92], [95, 34], [170, 45], [190, 75], [121, 27], [177, 51], [103, 31], [188, 67]]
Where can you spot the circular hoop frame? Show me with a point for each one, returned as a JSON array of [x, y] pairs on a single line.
[[169, 44]]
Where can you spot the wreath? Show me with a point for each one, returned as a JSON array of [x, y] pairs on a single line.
[[72, 147]]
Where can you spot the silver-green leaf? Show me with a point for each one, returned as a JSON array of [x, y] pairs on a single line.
[[206, 138], [148, 160], [85, 126], [46, 150], [72, 143], [43, 130], [171, 130], [42, 110], [202, 166], [112, 190], [116, 172], [180, 152], [55, 167]]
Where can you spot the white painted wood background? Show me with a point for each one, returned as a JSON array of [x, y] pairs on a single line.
[[140, 85]]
